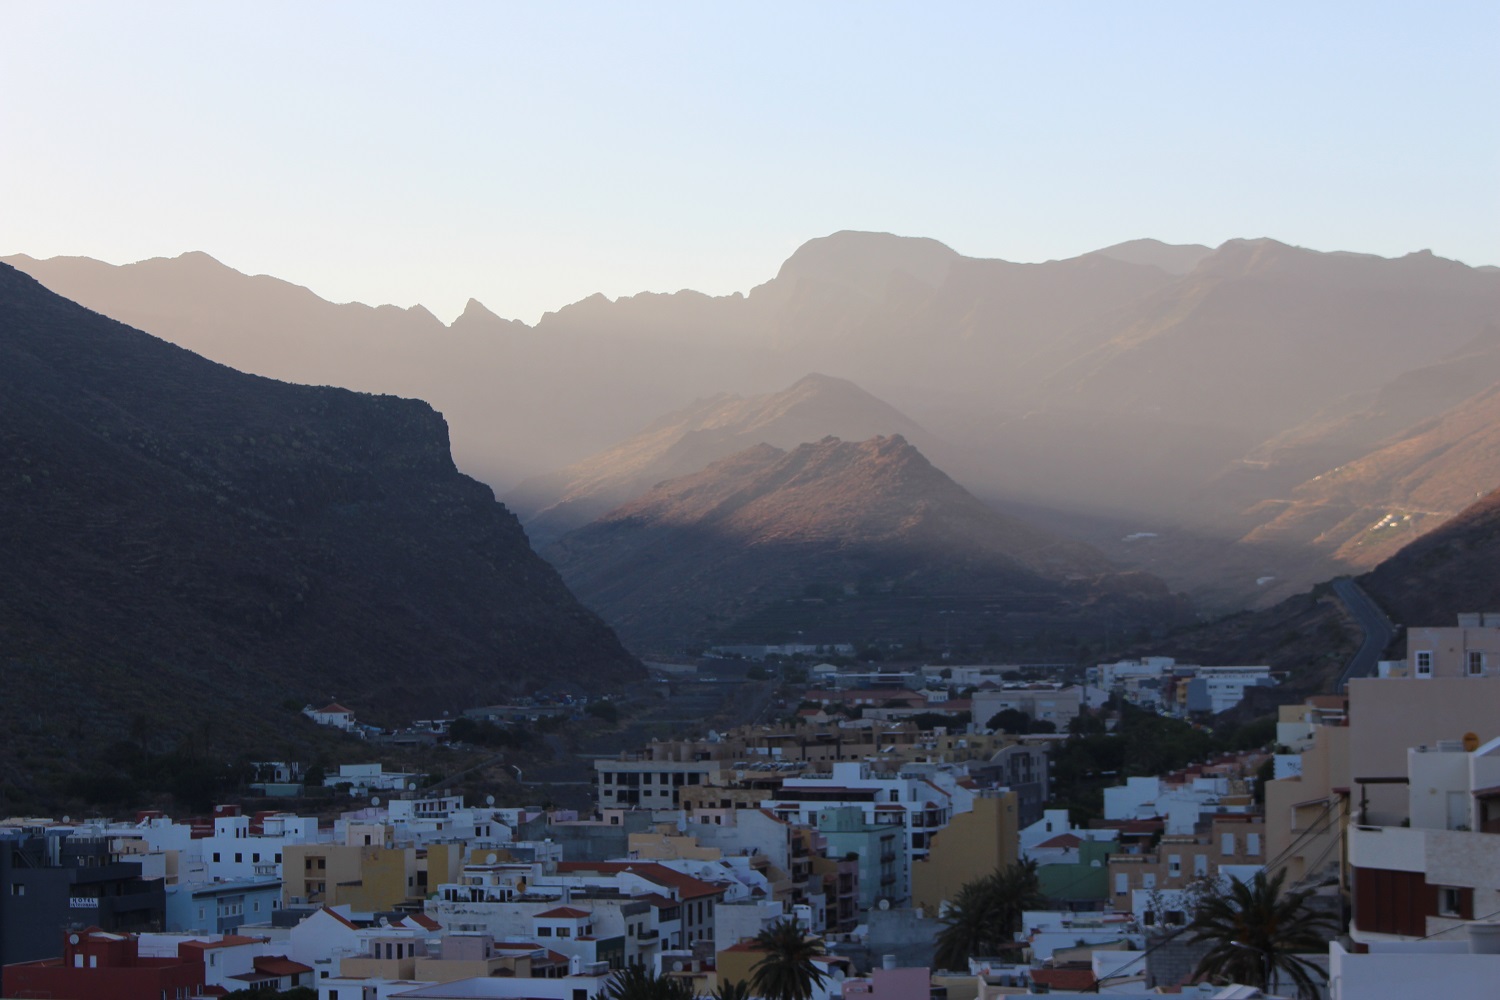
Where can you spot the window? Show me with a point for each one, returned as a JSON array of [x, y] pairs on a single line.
[[1252, 844], [239, 858], [1450, 901], [544, 932], [1200, 864], [1475, 663], [1122, 884], [216, 857], [18, 889], [1174, 865], [1424, 662], [1148, 880], [1226, 845]]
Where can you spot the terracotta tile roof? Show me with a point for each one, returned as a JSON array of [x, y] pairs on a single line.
[[687, 886], [1064, 979], [657, 900], [340, 918], [1061, 840], [421, 920], [563, 913], [334, 706], [280, 965], [227, 941]]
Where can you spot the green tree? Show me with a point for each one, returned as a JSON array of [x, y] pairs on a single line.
[[637, 982], [737, 990], [786, 970], [984, 915], [1257, 931]]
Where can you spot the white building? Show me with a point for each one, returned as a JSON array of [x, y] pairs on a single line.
[[922, 798], [333, 714]]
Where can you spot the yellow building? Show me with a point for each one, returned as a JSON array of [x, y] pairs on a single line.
[[971, 846], [367, 879]]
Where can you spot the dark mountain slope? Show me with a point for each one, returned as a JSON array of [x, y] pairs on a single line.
[[860, 538], [197, 545], [1447, 571]]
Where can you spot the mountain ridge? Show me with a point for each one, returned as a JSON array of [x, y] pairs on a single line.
[[197, 545], [704, 554]]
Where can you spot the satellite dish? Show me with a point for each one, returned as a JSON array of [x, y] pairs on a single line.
[[884, 904], [491, 858], [489, 800], [676, 966], [374, 800], [67, 819], [385, 921], [72, 939], [411, 786]]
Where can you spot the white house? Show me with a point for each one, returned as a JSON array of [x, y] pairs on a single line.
[[333, 714]]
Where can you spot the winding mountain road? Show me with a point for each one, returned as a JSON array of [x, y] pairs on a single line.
[[1377, 628]]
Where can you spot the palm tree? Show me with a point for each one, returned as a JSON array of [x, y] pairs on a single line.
[[1016, 888], [636, 982], [967, 929], [737, 990], [1257, 931], [984, 915], [786, 971]]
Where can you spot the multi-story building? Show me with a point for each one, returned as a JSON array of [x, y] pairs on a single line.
[[1234, 847], [221, 907], [651, 781], [878, 850], [974, 844], [52, 880], [1438, 867], [921, 799], [1470, 649]]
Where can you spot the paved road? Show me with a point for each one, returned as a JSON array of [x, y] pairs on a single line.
[[1377, 628]]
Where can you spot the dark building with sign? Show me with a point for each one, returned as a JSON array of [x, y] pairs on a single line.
[[52, 882]]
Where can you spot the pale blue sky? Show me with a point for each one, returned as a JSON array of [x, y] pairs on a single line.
[[530, 154]]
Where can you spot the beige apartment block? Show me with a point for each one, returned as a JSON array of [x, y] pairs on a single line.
[[1472, 649], [1178, 860], [367, 879], [1307, 816], [971, 846], [1390, 715]]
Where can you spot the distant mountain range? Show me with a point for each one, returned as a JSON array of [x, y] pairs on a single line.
[[187, 546], [689, 439], [1242, 421], [838, 541]]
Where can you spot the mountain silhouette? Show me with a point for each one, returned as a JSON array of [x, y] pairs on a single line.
[[199, 546], [1182, 391]]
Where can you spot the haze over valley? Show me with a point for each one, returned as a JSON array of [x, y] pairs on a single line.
[[1240, 421]]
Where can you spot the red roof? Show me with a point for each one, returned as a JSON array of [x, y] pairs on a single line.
[[657, 900], [687, 887], [1061, 840], [563, 913], [334, 706], [1064, 979], [340, 918], [227, 941], [280, 965]]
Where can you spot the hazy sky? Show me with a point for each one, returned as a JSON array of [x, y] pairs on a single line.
[[531, 154]]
